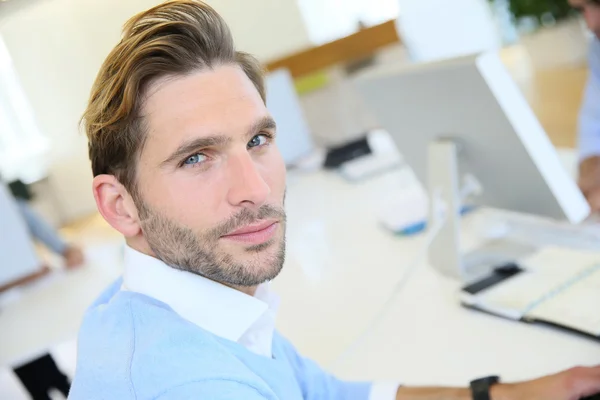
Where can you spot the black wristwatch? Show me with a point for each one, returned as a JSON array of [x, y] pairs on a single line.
[[480, 388]]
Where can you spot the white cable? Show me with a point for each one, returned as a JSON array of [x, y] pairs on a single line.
[[418, 260]]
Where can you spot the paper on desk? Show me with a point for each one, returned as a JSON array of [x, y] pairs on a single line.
[[575, 308], [513, 297], [574, 301], [560, 286], [559, 260]]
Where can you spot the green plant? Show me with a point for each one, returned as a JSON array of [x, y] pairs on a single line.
[[542, 11]]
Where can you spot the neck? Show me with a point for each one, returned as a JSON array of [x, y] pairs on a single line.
[[139, 244], [249, 290]]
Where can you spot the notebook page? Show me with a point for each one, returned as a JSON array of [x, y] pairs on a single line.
[[559, 259], [575, 305], [514, 297], [546, 271]]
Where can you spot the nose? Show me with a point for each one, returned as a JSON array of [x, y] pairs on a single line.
[[247, 186]]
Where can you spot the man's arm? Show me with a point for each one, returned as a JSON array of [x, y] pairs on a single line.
[[431, 393], [574, 384], [315, 383], [589, 132]]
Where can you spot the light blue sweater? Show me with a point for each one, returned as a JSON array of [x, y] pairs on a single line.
[[134, 347]]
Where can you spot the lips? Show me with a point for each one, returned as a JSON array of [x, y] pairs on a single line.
[[254, 234]]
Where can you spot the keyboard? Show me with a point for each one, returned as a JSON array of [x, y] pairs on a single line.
[[368, 166], [541, 232]]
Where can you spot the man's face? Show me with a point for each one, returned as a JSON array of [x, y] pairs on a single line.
[[591, 13], [211, 181]]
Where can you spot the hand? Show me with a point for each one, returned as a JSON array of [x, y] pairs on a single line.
[[589, 181], [573, 384], [593, 198], [73, 257]]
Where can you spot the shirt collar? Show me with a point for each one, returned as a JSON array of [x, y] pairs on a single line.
[[219, 309]]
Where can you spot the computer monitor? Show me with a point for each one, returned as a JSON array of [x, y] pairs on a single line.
[[293, 133], [466, 118]]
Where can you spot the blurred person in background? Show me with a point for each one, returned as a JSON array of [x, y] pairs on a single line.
[[42, 374], [589, 117], [186, 167], [48, 236], [42, 231]]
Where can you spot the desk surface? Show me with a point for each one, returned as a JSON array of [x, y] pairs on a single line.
[[341, 267]]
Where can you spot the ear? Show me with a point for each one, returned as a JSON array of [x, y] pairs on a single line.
[[116, 205]]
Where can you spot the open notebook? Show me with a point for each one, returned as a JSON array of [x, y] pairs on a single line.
[[556, 285]]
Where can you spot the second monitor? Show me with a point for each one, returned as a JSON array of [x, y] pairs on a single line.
[[466, 121]]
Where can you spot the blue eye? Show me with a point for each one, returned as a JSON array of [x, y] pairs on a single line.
[[195, 159], [258, 140]]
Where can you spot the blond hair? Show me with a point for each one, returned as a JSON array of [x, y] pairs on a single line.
[[172, 39]]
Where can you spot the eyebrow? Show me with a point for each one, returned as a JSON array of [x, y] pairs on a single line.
[[187, 147], [266, 122]]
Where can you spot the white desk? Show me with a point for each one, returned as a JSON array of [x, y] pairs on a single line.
[[340, 269]]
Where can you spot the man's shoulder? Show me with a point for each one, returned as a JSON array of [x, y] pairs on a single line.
[[116, 313], [133, 344]]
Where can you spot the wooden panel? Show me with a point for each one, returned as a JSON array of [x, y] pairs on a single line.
[[360, 44], [556, 96]]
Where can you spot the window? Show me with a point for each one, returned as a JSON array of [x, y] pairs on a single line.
[[23, 148], [328, 20]]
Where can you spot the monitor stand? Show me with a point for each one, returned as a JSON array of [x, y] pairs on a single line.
[[446, 193]]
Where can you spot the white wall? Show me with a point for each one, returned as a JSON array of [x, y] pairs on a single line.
[[266, 28], [328, 20], [57, 47], [438, 29]]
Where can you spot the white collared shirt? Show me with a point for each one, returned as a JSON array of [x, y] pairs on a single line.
[[219, 309]]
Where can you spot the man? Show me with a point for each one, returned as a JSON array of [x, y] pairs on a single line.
[[187, 169], [589, 117]]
